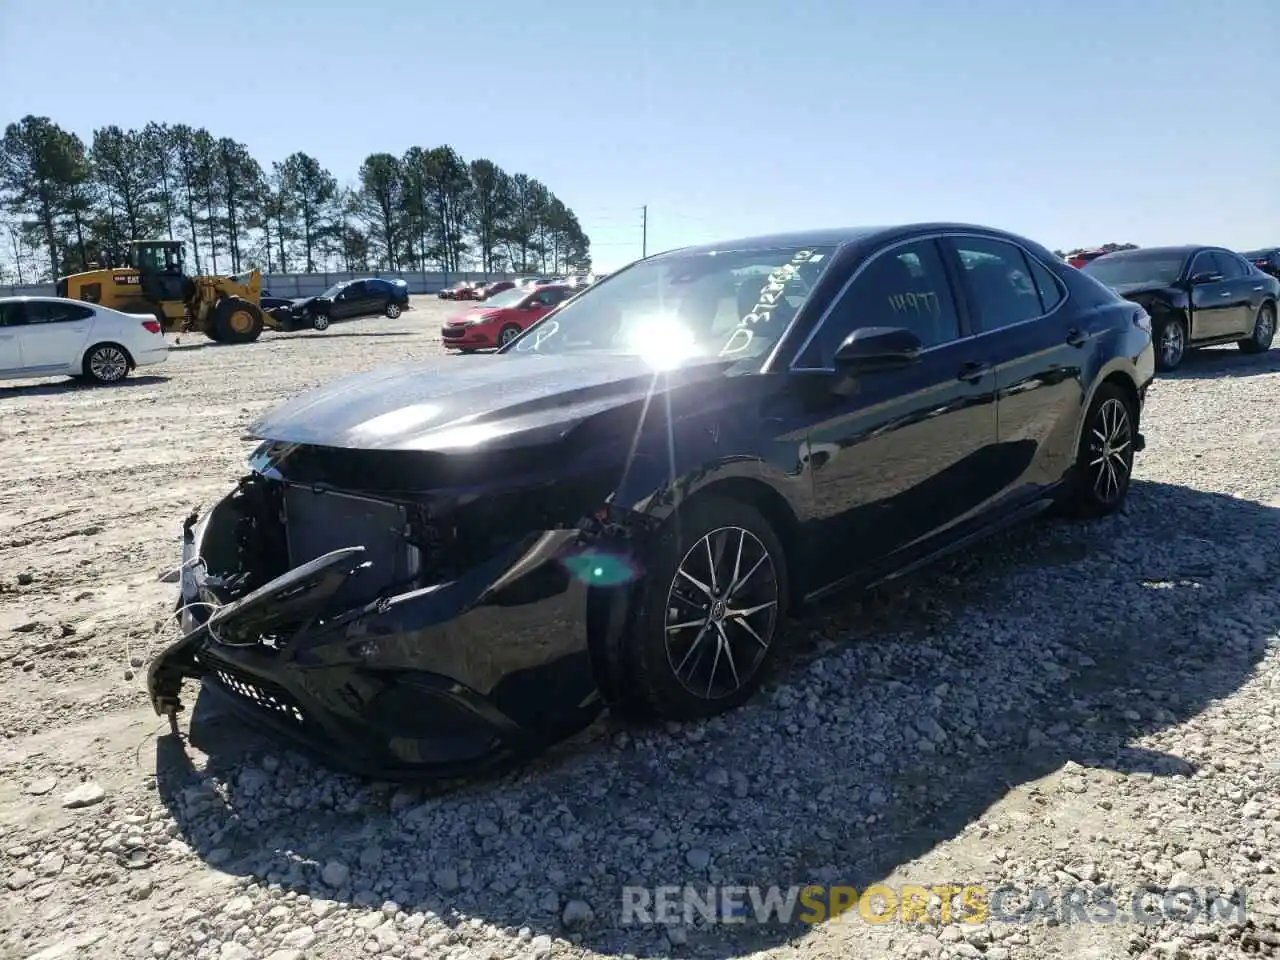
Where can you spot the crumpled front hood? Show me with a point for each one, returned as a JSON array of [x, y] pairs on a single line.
[[457, 404]]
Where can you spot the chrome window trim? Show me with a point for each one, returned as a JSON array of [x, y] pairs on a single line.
[[817, 327]]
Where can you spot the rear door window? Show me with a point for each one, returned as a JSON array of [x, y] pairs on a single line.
[[1000, 281]]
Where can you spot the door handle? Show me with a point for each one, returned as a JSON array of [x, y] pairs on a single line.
[[1076, 338], [973, 371], [1257, 288], [1225, 293]]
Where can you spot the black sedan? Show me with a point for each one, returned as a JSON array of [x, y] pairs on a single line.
[[349, 299], [1196, 296], [1267, 260], [435, 566]]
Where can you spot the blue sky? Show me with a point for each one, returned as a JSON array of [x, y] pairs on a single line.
[[1075, 122]]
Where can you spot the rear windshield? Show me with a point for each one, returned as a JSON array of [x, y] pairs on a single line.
[[1145, 266]]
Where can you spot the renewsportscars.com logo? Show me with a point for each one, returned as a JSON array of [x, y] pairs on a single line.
[[970, 904]]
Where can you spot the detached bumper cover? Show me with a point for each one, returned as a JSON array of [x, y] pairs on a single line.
[[436, 682]]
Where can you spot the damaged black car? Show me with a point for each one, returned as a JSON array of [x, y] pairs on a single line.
[[434, 567]]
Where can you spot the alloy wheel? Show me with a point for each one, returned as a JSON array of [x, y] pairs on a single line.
[[722, 608], [393, 310], [1110, 451], [507, 336], [320, 322], [1172, 343], [1264, 328], [109, 364]]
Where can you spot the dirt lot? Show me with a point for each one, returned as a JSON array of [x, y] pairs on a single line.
[[1070, 707]]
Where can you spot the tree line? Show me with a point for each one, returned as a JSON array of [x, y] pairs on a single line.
[[67, 205]]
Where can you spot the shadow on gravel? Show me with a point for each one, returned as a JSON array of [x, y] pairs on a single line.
[[1215, 364], [293, 335], [69, 385], [1059, 642]]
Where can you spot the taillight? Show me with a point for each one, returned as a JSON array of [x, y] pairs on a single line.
[[151, 326]]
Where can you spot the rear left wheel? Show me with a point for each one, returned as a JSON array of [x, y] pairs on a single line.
[[708, 611], [1104, 463], [1264, 331]]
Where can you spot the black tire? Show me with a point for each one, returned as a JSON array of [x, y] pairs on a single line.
[[319, 321], [106, 363], [393, 310], [507, 334], [667, 683], [1264, 331], [236, 320], [1170, 337], [1098, 491]]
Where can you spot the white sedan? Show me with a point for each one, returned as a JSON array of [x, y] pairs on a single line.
[[50, 336]]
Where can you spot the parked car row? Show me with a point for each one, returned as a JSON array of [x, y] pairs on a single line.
[[484, 291], [58, 336]]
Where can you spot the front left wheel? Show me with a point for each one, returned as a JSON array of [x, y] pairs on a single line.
[[708, 611], [106, 363], [393, 310]]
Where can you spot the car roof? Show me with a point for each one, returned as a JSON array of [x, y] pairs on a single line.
[[39, 299], [838, 236], [1180, 250]]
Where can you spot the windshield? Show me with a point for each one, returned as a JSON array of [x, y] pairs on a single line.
[[333, 291], [508, 298], [733, 304], [1151, 266]]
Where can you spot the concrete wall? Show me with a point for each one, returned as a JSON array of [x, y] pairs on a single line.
[[309, 284]]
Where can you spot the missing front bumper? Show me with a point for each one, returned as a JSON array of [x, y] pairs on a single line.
[[435, 682]]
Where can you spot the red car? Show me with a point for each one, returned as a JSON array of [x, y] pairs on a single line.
[[501, 319], [1085, 256], [462, 291], [498, 286]]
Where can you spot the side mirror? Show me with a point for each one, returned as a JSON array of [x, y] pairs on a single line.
[[878, 348], [1205, 276]]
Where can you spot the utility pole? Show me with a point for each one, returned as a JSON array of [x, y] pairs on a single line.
[[644, 231]]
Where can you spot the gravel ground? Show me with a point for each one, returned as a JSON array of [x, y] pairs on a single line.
[[1070, 707]]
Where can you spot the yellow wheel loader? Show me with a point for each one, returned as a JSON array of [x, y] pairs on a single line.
[[152, 280]]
